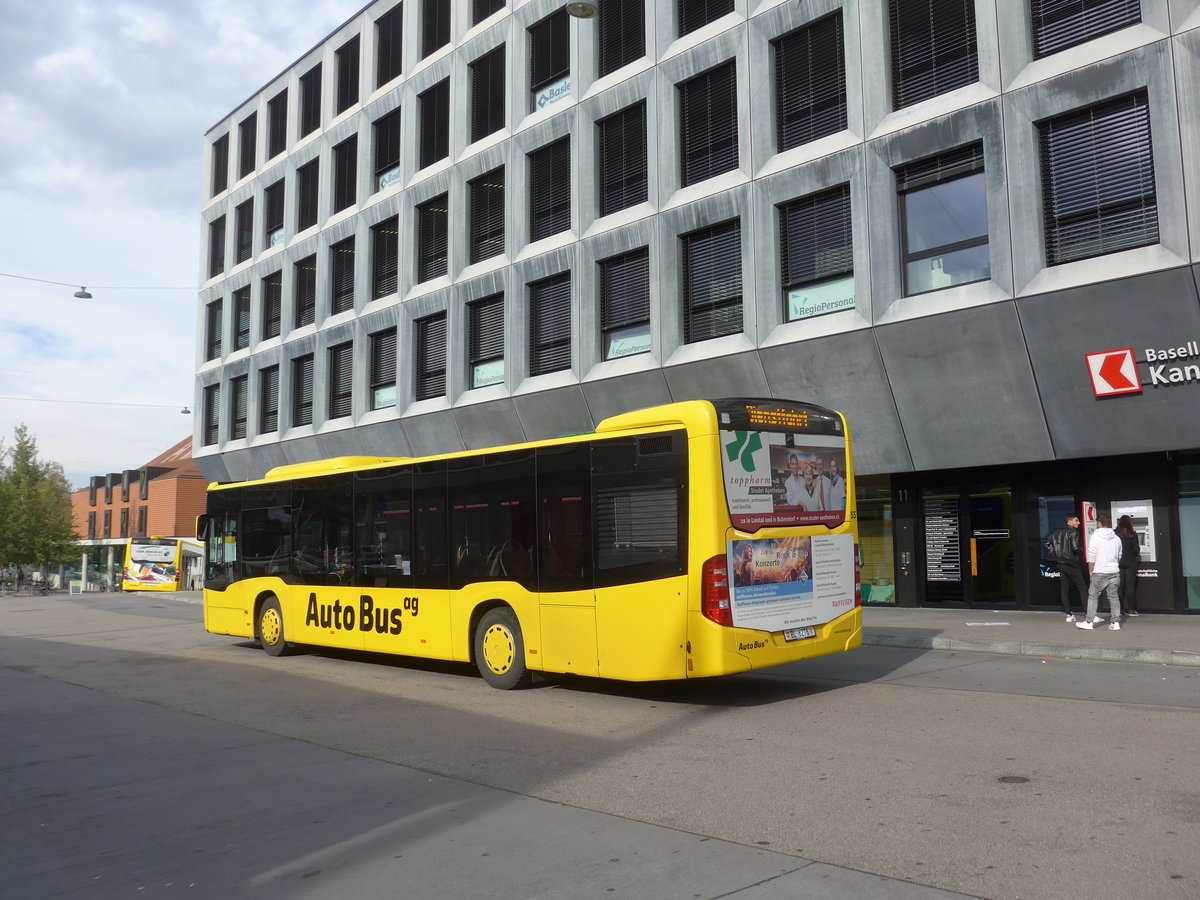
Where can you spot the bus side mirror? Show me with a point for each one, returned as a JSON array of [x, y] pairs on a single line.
[[201, 527]]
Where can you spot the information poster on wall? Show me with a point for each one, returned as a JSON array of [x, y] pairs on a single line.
[[1142, 514], [791, 582]]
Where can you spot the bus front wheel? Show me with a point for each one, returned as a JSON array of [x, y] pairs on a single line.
[[500, 650], [270, 627]]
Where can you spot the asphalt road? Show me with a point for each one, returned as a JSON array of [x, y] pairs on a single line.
[[141, 756]]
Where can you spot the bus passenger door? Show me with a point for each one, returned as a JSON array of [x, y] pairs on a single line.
[[567, 595]]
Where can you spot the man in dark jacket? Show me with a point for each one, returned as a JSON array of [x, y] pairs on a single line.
[[1065, 548]]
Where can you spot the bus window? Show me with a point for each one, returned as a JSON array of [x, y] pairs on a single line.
[[492, 518], [220, 546], [321, 517], [266, 542], [383, 528], [429, 509], [564, 504]]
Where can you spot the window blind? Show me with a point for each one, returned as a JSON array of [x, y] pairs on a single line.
[[815, 237], [268, 400], [347, 74], [388, 44], [385, 257], [810, 82], [623, 160], [625, 290], [341, 380], [341, 266], [434, 105], [345, 173], [487, 94], [431, 238], [550, 324], [933, 48], [550, 189], [304, 281], [708, 124], [621, 31], [431, 356], [486, 211], [1059, 24], [302, 390], [712, 282]]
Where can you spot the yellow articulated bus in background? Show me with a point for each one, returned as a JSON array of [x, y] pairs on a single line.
[[690, 540]]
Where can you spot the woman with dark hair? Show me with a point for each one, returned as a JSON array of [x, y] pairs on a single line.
[[1128, 564]]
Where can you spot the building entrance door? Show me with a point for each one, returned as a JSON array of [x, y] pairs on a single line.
[[967, 542]]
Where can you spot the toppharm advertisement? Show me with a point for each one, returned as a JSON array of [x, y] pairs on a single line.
[[782, 479]]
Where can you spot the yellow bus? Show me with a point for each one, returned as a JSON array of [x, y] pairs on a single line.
[[152, 564], [695, 539]]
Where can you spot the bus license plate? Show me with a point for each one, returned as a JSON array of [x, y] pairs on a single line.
[[799, 634]]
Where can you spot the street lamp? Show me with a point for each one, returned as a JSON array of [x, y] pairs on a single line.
[[82, 294], [582, 10]]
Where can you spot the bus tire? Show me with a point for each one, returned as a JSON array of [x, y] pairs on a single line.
[[500, 650], [270, 627]]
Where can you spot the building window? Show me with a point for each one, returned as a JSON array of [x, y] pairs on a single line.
[[212, 412], [623, 160], [481, 9], [302, 390], [712, 282], [435, 25], [142, 524], [107, 523], [816, 247], [243, 219], [622, 34], [1059, 24], [91, 526], [550, 59], [341, 268], [143, 484], [550, 189], [237, 407], [486, 195], [212, 330], [216, 247], [434, 107], [307, 181], [241, 313], [272, 304], [485, 341], [943, 208], [341, 380], [384, 257], [1098, 190], [247, 147], [345, 173], [388, 44], [708, 124], [487, 94], [220, 164], [933, 48], [550, 324], [810, 83], [695, 14], [625, 303], [268, 400], [124, 524], [431, 238], [304, 284], [383, 368], [387, 150], [310, 100], [273, 214], [347, 75], [277, 124], [430, 356]]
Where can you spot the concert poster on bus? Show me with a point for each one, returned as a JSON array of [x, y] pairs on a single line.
[[784, 583], [774, 479]]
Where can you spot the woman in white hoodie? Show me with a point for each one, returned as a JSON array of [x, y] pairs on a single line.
[[1103, 556]]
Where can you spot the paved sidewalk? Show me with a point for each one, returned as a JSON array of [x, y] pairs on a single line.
[[1168, 639]]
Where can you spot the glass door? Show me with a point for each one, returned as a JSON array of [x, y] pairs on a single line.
[[968, 546]]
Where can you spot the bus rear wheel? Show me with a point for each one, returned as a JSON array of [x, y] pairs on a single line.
[[270, 627], [500, 650]]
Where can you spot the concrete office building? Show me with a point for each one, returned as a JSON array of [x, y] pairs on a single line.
[[971, 225]]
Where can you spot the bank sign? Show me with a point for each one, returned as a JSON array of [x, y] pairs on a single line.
[[1116, 372]]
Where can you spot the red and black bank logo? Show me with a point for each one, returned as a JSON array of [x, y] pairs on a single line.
[[1114, 372]]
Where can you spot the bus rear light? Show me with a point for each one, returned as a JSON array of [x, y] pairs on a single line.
[[857, 576], [714, 592]]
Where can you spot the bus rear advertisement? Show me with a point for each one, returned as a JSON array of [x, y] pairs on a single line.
[[152, 564], [696, 539]]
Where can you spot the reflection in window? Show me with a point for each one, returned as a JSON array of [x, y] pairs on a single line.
[[944, 214]]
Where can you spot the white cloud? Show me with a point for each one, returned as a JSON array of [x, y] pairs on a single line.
[[105, 107]]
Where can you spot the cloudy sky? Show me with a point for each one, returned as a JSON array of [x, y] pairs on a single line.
[[104, 107]]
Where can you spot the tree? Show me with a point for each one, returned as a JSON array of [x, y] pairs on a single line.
[[36, 526]]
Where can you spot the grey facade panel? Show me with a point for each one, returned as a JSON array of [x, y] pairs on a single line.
[[844, 372], [964, 389], [738, 375], [555, 412], [1157, 311], [489, 424], [618, 395]]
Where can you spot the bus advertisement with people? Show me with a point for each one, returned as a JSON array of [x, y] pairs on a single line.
[[152, 564], [695, 539]]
